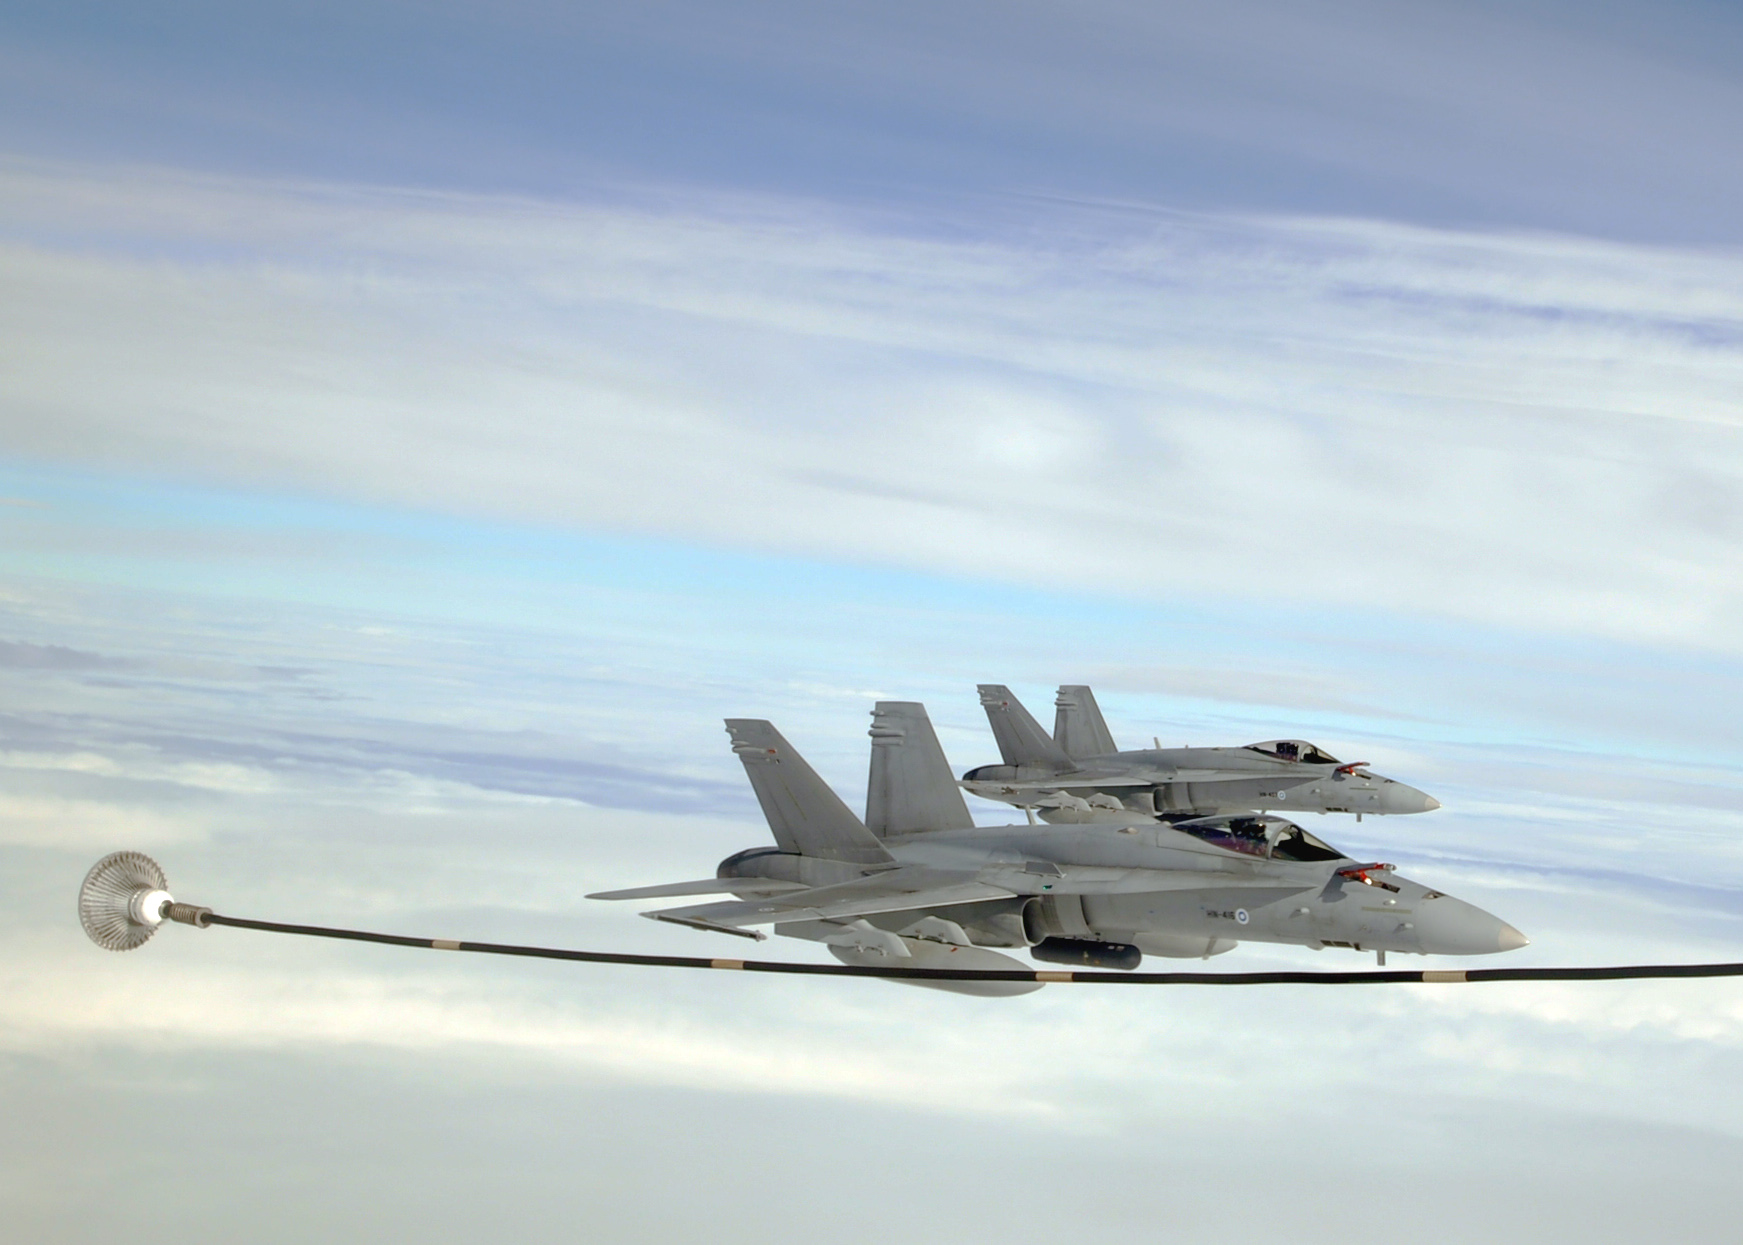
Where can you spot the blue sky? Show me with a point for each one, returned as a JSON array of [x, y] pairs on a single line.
[[420, 425], [1608, 118]]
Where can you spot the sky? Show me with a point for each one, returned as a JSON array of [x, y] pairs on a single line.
[[420, 425]]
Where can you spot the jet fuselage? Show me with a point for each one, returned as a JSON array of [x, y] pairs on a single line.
[[1169, 889], [1202, 780]]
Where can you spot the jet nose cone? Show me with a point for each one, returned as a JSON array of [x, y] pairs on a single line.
[[1396, 797], [1448, 926]]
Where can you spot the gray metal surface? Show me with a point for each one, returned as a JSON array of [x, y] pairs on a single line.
[[911, 788], [1065, 775], [1116, 880], [805, 816], [1021, 740], [1078, 726]]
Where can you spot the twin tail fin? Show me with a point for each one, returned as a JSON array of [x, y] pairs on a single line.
[[912, 788], [1078, 726], [805, 816], [1020, 738]]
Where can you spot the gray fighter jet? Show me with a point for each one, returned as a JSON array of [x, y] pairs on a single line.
[[1078, 775], [918, 883]]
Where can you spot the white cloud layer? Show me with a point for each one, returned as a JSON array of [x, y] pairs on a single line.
[[1517, 429], [1105, 402], [355, 809]]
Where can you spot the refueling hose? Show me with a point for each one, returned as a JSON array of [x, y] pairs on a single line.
[[203, 917]]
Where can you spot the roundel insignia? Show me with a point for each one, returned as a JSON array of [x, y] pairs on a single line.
[[1241, 916]]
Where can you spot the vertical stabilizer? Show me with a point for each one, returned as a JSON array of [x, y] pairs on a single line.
[[912, 787], [1078, 726], [804, 814], [1020, 737]]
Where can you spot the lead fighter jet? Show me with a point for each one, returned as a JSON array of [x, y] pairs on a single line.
[[1078, 774], [918, 883]]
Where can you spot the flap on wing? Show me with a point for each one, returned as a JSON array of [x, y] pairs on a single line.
[[705, 886]]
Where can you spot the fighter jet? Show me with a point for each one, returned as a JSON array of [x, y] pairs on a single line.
[[918, 883], [1079, 775]]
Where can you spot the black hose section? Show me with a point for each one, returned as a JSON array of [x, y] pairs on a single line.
[[1619, 972]]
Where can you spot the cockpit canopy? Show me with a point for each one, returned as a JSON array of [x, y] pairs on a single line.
[[1268, 837], [1294, 750]]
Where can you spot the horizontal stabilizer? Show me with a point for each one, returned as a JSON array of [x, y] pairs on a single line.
[[708, 926], [911, 788], [707, 886], [893, 890], [804, 814]]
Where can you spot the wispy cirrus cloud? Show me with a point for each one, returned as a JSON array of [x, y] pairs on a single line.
[[475, 774], [1515, 429], [385, 552]]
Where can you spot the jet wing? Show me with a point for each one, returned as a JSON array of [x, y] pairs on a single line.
[[1058, 784], [1084, 782], [1113, 880], [891, 890], [916, 886]]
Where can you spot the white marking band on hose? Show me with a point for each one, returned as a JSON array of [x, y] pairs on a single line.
[[1591, 972]]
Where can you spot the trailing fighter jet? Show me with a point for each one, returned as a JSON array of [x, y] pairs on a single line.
[[917, 882], [1077, 774]]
